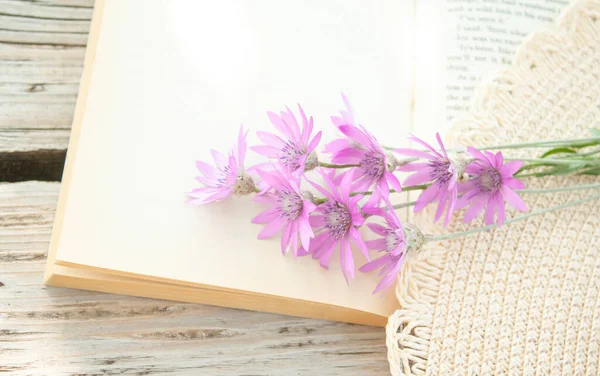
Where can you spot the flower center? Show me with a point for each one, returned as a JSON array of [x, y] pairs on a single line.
[[374, 164], [489, 180], [290, 154], [290, 203], [442, 170], [337, 219]]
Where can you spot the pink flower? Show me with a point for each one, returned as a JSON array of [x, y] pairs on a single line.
[[295, 149], [440, 171], [337, 224], [492, 183], [227, 178], [289, 211], [392, 244], [361, 148]]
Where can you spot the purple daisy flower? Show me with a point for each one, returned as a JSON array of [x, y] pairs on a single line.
[[337, 223], [491, 184], [440, 171], [361, 148], [392, 243], [227, 178], [289, 211], [295, 149]]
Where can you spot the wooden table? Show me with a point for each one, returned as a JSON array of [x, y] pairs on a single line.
[[54, 331]]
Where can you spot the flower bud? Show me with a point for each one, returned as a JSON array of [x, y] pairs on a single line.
[[392, 162], [244, 185], [312, 161], [413, 237]]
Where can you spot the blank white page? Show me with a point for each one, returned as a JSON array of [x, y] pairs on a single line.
[[173, 79]]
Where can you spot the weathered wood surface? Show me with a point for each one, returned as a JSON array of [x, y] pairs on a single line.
[[54, 331]]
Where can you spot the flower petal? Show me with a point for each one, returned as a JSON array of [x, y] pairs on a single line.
[[360, 243], [414, 153], [513, 183], [272, 228], [217, 196], [490, 212], [346, 259], [451, 206], [420, 177], [337, 145], [270, 139], [208, 170], [439, 140], [393, 181], [509, 169], [426, 145], [266, 216], [375, 264], [279, 125], [477, 206], [413, 166], [220, 159], [499, 160], [427, 196], [441, 205], [241, 147], [378, 229], [346, 186], [513, 199], [377, 244], [355, 134], [294, 239], [267, 151], [325, 252], [314, 142], [316, 220], [285, 238], [348, 156], [501, 210], [292, 124], [477, 154]]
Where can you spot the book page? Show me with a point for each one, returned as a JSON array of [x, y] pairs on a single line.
[[461, 41], [172, 80]]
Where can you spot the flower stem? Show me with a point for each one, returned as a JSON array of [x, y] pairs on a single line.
[[404, 189], [541, 144], [331, 165], [404, 205], [560, 189], [435, 238], [555, 161], [573, 142]]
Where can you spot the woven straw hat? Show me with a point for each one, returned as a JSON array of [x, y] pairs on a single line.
[[524, 299]]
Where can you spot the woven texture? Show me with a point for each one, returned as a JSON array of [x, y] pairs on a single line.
[[523, 299]]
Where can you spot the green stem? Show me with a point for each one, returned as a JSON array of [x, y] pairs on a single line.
[[561, 189], [577, 142], [555, 143], [552, 161], [432, 238], [331, 165], [404, 205], [404, 189]]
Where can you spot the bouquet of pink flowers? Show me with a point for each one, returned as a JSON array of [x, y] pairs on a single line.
[[359, 179]]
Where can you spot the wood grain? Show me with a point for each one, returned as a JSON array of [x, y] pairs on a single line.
[[54, 331]]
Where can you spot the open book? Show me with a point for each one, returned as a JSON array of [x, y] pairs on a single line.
[[165, 82]]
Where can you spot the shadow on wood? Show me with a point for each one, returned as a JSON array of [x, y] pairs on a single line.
[[40, 165]]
